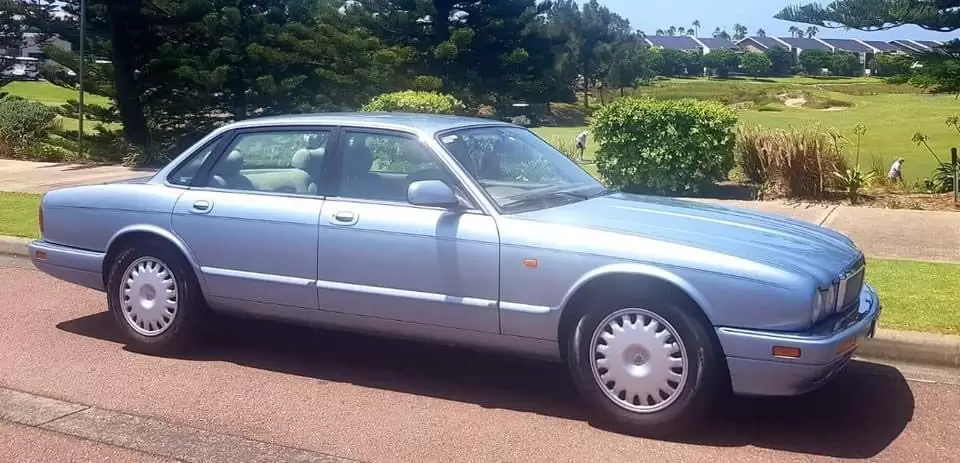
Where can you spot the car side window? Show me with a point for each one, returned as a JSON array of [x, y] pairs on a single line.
[[184, 173], [380, 166], [277, 162]]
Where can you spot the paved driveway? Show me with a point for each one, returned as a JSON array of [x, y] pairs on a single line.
[[388, 401]]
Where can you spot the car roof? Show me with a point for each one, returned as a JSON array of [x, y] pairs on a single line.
[[412, 122]]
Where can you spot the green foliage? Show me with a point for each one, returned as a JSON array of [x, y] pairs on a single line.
[[845, 64], [416, 102], [781, 61], [678, 146], [853, 180], [721, 62], [24, 125], [756, 64], [890, 65], [813, 61]]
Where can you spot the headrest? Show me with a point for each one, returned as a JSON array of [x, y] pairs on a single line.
[[307, 159]]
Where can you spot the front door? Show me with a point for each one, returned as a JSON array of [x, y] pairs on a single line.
[[252, 222], [386, 258]]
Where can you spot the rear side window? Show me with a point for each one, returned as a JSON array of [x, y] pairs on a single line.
[[185, 173], [282, 161]]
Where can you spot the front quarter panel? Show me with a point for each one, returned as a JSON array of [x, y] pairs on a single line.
[[730, 291], [88, 217]]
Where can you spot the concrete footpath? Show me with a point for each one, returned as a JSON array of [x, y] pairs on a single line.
[[40, 177]]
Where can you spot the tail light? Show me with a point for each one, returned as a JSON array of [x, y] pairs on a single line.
[[41, 218]]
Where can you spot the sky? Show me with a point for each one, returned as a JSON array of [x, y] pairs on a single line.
[[650, 15]]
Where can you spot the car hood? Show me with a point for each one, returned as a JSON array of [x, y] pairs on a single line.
[[768, 239]]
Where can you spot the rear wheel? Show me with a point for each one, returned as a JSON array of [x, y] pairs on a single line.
[[646, 367], [155, 298]]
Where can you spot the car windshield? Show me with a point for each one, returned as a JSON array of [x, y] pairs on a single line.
[[518, 170]]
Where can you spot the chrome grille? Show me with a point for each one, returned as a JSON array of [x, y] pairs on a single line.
[[851, 282]]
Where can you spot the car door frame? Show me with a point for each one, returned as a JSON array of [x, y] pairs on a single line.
[[225, 140], [476, 207]]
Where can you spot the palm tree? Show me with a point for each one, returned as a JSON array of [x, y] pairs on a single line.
[[691, 32], [696, 27], [796, 31], [761, 33], [672, 30], [720, 34], [681, 30], [660, 32], [812, 31]]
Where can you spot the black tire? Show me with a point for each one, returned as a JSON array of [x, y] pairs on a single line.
[[694, 399], [191, 311]]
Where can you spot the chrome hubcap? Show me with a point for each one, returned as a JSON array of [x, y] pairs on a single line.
[[148, 296], [639, 361]]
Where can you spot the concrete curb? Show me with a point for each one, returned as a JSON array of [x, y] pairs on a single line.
[[14, 246], [912, 347], [903, 346]]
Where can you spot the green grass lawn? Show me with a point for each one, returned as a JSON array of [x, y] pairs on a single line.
[[917, 296], [52, 95], [19, 214]]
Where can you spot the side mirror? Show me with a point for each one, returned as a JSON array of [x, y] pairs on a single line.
[[434, 193]]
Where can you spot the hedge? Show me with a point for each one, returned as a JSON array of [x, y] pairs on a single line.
[[666, 146]]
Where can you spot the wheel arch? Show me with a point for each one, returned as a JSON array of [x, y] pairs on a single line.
[[150, 233], [623, 279]]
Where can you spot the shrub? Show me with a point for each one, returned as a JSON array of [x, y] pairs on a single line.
[[24, 123], [667, 146], [416, 102], [792, 162]]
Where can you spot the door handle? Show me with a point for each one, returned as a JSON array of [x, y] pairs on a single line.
[[344, 218], [201, 206]]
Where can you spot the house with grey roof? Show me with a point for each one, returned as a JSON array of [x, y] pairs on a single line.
[[674, 42], [711, 43], [759, 44]]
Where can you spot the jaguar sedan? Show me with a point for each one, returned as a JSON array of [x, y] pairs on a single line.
[[469, 232]]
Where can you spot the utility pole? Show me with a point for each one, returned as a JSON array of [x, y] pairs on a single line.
[[83, 59]]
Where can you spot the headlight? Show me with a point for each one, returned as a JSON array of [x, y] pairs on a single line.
[[825, 303]]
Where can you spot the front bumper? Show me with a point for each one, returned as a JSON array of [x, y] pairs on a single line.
[[824, 351], [72, 265]]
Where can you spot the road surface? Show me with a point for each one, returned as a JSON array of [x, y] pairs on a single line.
[[378, 400]]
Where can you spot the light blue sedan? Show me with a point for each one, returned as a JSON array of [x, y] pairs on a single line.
[[470, 232]]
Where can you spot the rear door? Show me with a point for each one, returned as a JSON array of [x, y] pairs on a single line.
[[251, 217], [386, 258]]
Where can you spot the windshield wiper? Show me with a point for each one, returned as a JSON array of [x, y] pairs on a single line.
[[551, 192]]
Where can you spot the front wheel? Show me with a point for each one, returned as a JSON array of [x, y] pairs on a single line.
[[155, 298], [648, 369]]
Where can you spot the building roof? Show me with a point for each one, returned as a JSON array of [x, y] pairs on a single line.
[[848, 45], [907, 46], [928, 43], [718, 44], [674, 42], [884, 47], [765, 42], [805, 43]]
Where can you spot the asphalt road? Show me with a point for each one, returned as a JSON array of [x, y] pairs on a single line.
[[389, 401]]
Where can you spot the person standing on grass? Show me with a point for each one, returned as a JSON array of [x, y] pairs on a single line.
[[896, 171], [581, 144]]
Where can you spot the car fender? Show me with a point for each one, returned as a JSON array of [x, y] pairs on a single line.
[[639, 269], [164, 234]]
